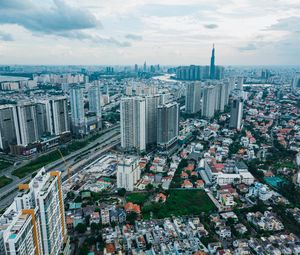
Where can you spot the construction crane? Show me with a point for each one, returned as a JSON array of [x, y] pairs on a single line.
[[69, 169]]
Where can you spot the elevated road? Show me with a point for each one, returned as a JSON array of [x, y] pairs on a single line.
[[100, 145]]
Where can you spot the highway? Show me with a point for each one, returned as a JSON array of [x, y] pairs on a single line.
[[100, 145]]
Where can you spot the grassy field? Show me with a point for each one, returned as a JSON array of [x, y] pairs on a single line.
[[137, 198], [4, 181], [180, 202], [4, 164]]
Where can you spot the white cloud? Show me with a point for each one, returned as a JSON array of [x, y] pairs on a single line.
[[168, 32]]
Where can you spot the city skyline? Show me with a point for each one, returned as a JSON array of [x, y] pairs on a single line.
[[92, 33]]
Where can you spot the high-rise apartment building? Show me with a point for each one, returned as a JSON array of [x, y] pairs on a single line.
[[77, 109], [167, 124], [27, 123], [133, 123], [192, 73], [209, 102], [151, 104], [59, 115], [220, 89], [128, 173], [236, 114], [35, 222], [8, 122], [52, 116], [239, 84], [94, 96], [193, 97], [296, 83]]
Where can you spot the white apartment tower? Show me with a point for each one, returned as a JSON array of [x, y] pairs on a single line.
[[77, 110], [133, 123], [94, 96], [35, 222], [193, 97], [128, 173], [77, 106], [209, 102]]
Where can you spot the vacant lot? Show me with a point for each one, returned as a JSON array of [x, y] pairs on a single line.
[[4, 181], [180, 202], [137, 198]]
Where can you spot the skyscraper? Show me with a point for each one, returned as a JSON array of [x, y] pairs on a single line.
[[27, 123], [236, 114], [35, 222], [220, 89], [52, 116], [77, 109], [193, 97], [43, 115], [8, 123], [212, 72], [133, 123], [167, 124], [94, 96], [296, 83], [152, 103], [59, 115], [209, 102], [239, 84]]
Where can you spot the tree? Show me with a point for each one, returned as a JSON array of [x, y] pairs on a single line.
[[122, 192], [94, 228], [149, 187], [131, 217], [70, 195], [81, 228], [83, 250]]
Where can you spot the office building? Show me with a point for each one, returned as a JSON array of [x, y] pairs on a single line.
[[209, 101], [193, 97], [8, 122], [77, 110], [151, 104], [167, 124], [236, 114], [35, 222], [128, 173], [133, 123]]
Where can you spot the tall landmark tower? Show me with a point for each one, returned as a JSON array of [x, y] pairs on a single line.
[[212, 73]]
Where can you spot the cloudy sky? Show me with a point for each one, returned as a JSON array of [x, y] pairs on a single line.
[[159, 31]]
